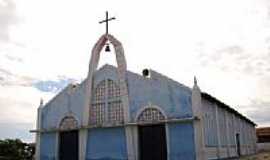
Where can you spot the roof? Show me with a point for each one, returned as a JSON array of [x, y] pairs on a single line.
[[225, 106], [263, 131], [158, 75]]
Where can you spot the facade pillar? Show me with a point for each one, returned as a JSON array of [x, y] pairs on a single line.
[[218, 132], [198, 122], [227, 133], [38, 133]]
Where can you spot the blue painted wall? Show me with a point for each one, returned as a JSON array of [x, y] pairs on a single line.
[[47, 146], [172, 97], [110, 143], [59, 106], [182, 145], [106, 144]]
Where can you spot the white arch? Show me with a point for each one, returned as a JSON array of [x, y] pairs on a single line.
[[69, 114], [121, 67], [119, 53], [149, 106]]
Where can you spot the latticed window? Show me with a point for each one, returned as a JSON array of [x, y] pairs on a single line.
[[115, 110], [100, 91], [113, 90], [107, 105], [150, 115], [68, 123], [97, 113]]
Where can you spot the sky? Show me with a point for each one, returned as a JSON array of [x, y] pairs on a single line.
[[44, 45]]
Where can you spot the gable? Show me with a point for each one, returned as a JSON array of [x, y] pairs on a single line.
[[172, 98]]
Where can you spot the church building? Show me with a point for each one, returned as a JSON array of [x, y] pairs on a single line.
[[115, 114]]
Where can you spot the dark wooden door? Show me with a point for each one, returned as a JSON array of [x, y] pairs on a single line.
[[152, 142], [69, 145], [238, 146]]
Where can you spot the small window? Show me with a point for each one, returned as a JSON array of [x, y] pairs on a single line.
[[150, 115], [68, 123]]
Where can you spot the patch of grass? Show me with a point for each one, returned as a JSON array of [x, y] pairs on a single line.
[[259, 156]]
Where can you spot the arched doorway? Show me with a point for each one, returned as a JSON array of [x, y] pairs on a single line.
[[152, 135], [68, 139]]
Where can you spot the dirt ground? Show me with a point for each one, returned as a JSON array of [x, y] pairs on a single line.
[[259, 156]]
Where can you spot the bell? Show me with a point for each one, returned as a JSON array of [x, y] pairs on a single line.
[[107, 48]]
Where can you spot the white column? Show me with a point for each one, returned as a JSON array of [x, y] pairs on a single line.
[[198, 124], [38, 133], [168, 141], [57, 145], [82, 143], [218, 132], [227, 132], [131, 145]]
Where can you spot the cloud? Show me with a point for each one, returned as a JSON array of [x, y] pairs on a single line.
[[8, 78], [259, 112], [18, 105], [8, 18], [17, 130], [53, 86], [13, 58], [237, 59]]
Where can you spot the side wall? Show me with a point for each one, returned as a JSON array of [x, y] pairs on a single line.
[[106, 143], [220, 129], [48, 146]]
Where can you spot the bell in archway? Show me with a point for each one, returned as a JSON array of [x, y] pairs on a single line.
[[107, 48]]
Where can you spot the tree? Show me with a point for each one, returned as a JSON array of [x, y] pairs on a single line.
[[15, 149]]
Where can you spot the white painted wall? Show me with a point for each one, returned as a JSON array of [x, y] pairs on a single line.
[[220, 129]]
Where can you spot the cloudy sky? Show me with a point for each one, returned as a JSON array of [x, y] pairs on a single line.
[[44, 45]]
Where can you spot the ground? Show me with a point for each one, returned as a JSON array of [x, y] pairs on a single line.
[[259, 156]]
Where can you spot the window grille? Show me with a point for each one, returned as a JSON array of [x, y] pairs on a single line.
[[97, 113], [100, 91], [113, 90], [115, 111], [150, 115], [107, 105], [68, 123]]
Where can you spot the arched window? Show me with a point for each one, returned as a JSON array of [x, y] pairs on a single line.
[[68, 123], [106, 104], [151, 115]]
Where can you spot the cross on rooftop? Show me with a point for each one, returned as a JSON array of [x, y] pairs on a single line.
[[106, 21]]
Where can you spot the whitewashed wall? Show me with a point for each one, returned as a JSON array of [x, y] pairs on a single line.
[[220, 129]]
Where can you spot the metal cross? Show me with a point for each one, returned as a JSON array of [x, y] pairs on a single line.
[[107, 20]]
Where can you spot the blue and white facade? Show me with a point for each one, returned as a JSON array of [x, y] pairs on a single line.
[[111, 103]]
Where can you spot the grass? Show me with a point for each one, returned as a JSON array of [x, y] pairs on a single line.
[[259, 156]]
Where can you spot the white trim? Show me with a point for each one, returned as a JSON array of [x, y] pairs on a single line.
[[150, 105], [136, 141], [38, 135], [183, 120], [167, 130], [227, 133], [198, 126], [83, 139], [68, 114], [57, 146], [218, 131]]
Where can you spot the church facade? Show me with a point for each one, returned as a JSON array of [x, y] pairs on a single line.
[[115, 114]]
